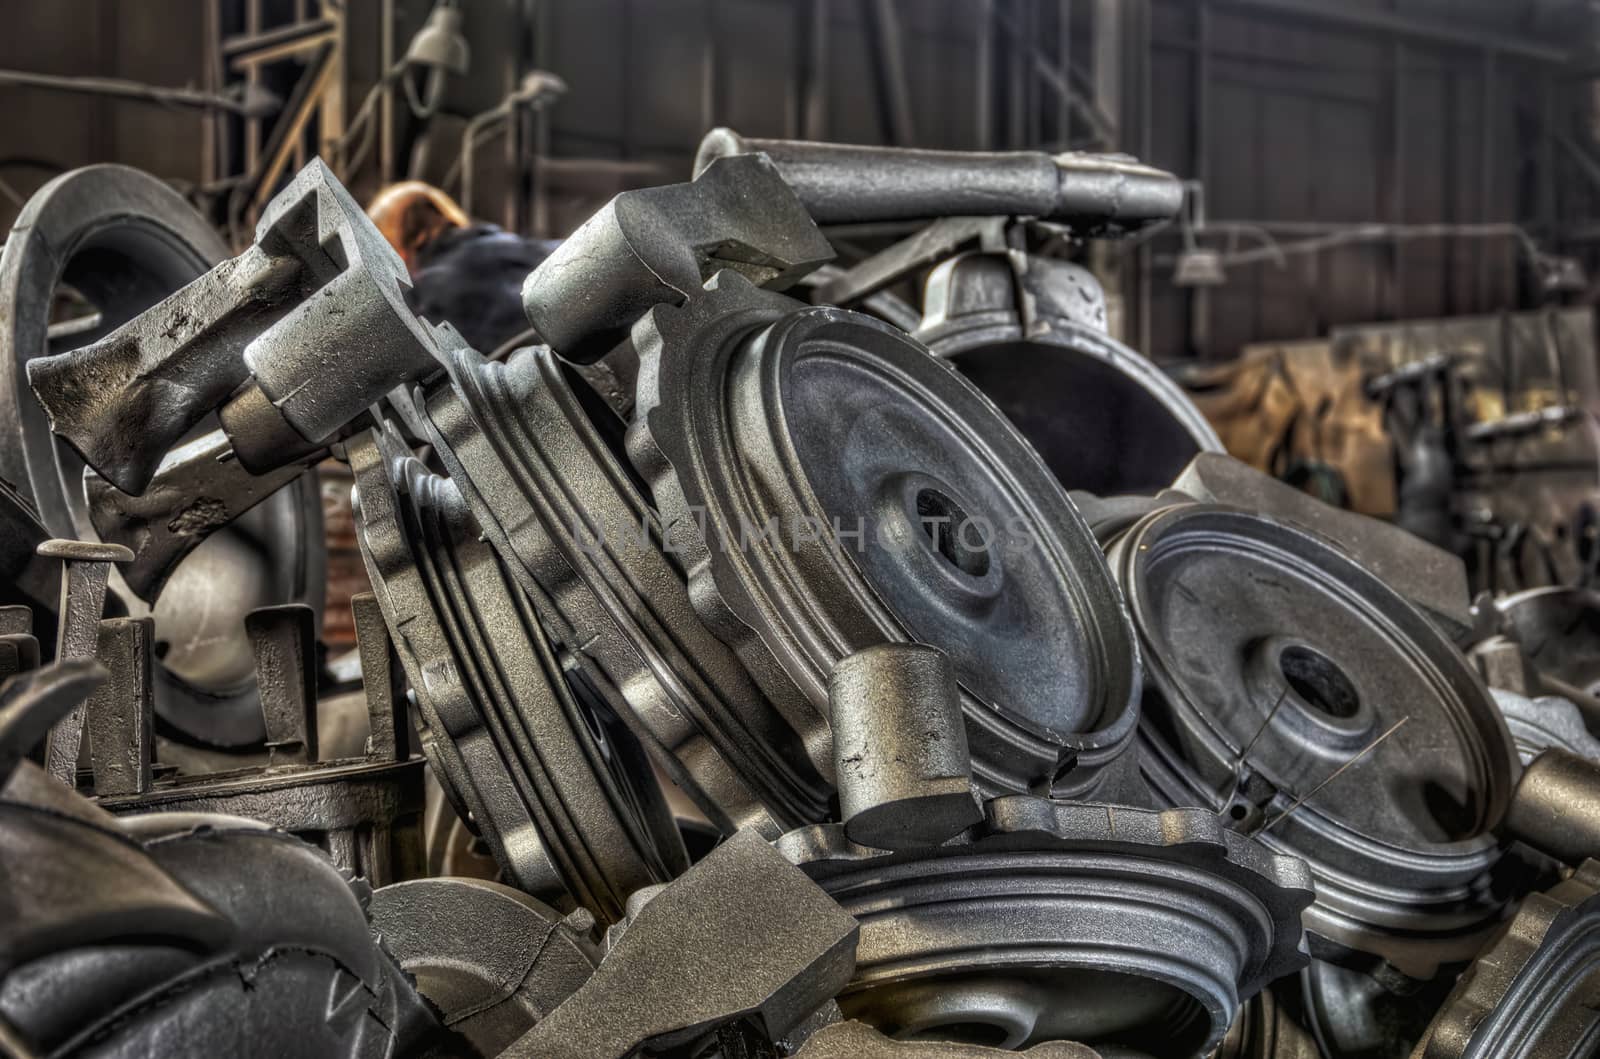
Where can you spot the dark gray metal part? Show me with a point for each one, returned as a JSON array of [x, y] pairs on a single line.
[[1096, 194], [1122, 928], [1556, 807], [1369, 1013], [927, 518], [124, 240], [32, 702], [132, 240], [491, 959], [658, 245], [1559, 630], [569, 813], [16, 620], [1502, 664], [198, 489], [1030, 332], [1535, 992], [766, 947], [857, 1040], [885, 305], [201, 934], [900, 747], [1431, 578], [1273, 660], [382, 681], [284, 642], [19, 652], [311, 320], [29, 583], [85, 567], [921, 249], [1545, 722], [120, 715], [549, 485], [367, 815]]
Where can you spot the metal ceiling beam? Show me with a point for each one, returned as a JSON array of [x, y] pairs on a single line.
[[1405, 26]]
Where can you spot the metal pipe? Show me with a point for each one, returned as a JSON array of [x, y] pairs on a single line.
[[1556, 807], [842, 184], [136, 90]]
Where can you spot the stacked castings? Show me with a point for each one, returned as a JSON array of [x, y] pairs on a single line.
[[988, 773], [833, 595]]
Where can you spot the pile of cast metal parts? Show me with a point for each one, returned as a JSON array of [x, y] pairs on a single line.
[[806, 680]]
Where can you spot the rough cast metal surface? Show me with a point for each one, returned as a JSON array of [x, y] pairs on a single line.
[[1030, 333], [197, 490], [1052, 920], [741, 937], [1431, 578], [85, 568], [366, 815], [832, 486], [658, 245], [1097, 194], [1559, 629], [545, 477], [1535, 992], [1545, 722], [32, 702], [186, 934], [1273, 661], [125, 240], [568, 814], [1556, 806], [857, 1040], [312, 316], [284, 641], [492, 960], [120, 715], [900, 747]]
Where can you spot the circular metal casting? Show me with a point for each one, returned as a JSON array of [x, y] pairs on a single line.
[[124, 240], [839, 488], [1264, 643], [540, 466], [1119, 927], [1534, 993], [563, 797], [1104, 418], [492, 960]]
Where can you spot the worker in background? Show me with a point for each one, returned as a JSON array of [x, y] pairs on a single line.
[[465, 274]]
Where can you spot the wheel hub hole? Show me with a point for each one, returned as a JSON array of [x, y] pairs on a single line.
[[1319, 681], [953, 535]]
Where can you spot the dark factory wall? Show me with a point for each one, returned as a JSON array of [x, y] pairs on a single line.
[[1399, 111]]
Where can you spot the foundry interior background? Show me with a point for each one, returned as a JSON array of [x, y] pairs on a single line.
[[1303, 117]]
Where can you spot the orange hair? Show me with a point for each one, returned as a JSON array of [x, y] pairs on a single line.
[[412, 214]]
